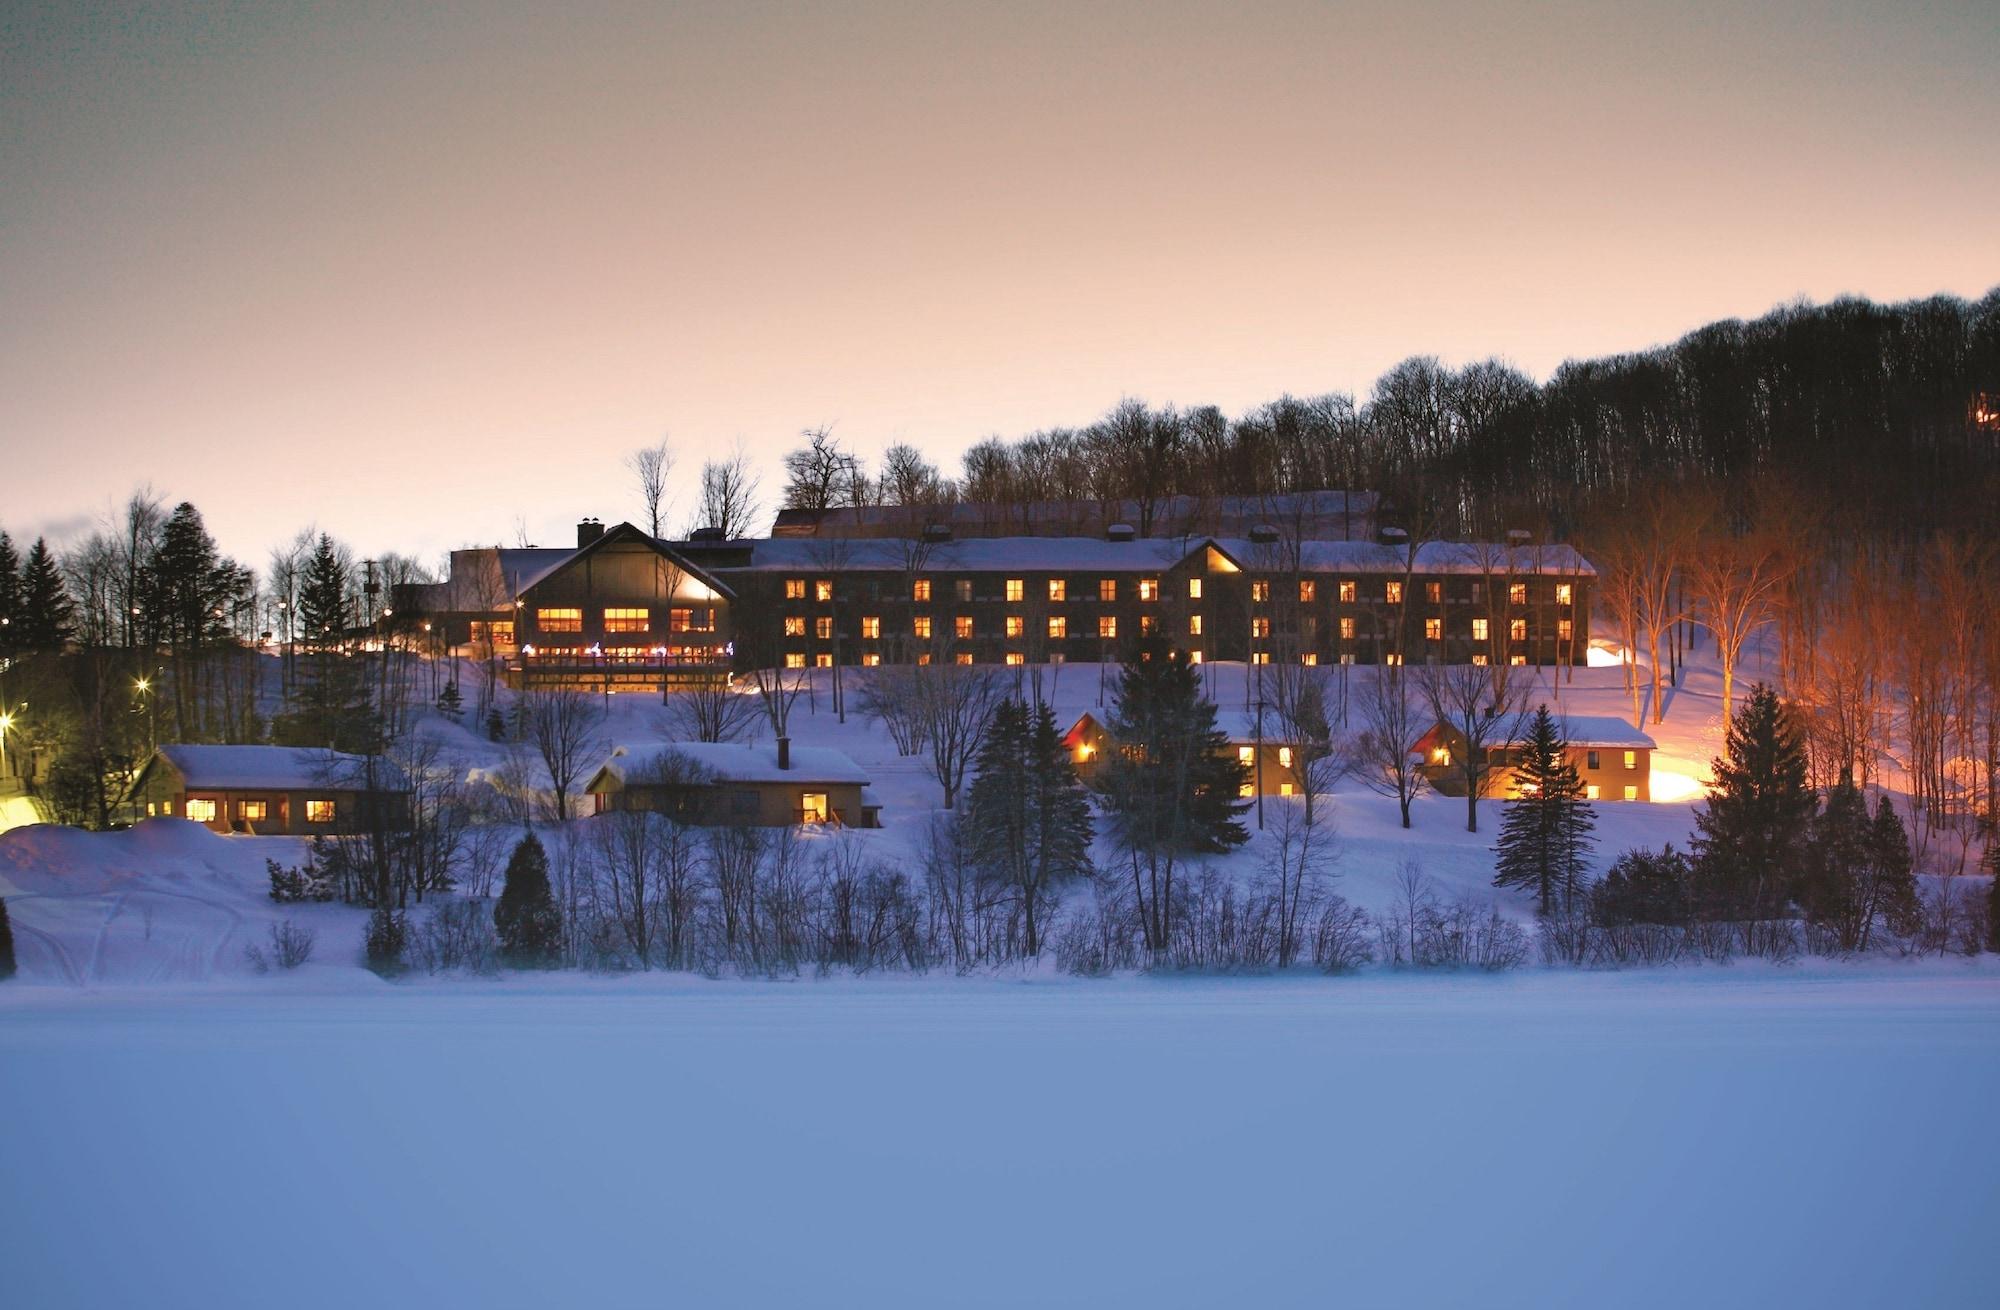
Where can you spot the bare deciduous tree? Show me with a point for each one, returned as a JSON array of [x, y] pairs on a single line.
[[1480, 705], [1392, 725], [728, 497], [650, 467], [563, 724]]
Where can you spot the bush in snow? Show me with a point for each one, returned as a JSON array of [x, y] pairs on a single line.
[[388, 934], [456, 936], [291, 945], [1421, 931], [306, 883], [6, 943]]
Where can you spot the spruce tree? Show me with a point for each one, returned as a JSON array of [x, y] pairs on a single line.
[[46, 617], [1027, 814], [526, 917], [450, 702], [334, 709], [1992, 863], [7, 966], [1644, 886], [1894, 876], [10, 596], [1752, 836], [1545, 832]]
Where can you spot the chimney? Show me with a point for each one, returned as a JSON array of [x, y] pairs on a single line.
[[784, 752], [1119, 532], [1263, 534], [588, 531], [936, 533]]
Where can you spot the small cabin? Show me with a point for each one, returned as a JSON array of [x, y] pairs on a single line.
[[1613, 759], [1272, 764], [271, 790], [764, 784]]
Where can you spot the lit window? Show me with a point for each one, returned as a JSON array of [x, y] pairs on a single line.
[[559, 620], [1284, 789], [1015, 657], [1308, 658], [871, 659], [1565, 629], [1517, 593], [627, 620], [795, 625], [962, 588], [1631, 759], [795, 659], [320, 811], [1349, 592], [1148, 625], [1058, 589], [965, 657], [1433, 629], [1347, 657], [812, 807], [253, 811], [1285, 756], [1194, 625], [921, 625], [1058, 628], [1434, 592], [1260, 627], [1480, 659], [1107, 627], [871, 627], [1479, 629], [1149, 589], [823, 660], [1194, 588], [962, 626], [1307, 590], [1016, 625], [920, 589], [823, 628], [923, 657], [1245, 790], [691, 620], [1392, 658], [1592, 792], [1563, 593], [823, 589], [1260, 657], [1194, 657], [1246, 754], [1392, 592], [1347, 628], [1260, 592], [1631, 793], [1107, 589], [795, 588], [1518, 660], [201, 809], [1014, 589]]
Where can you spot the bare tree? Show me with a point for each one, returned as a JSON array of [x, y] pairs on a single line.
[[1735, 578], [820, 475], [728, 497], [1479, 704], [1297, 865], [889, 695], [711, 710], [1384, 750], [650, 466], [563, 724], [956, 700]]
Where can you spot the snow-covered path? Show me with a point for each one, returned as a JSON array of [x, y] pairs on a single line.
[[1715, 1137]]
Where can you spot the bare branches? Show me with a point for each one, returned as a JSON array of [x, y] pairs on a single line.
[[650, 468]]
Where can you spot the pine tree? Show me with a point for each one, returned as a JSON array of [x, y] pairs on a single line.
[[496, 727], [450, 702], [7, 967], [1545, 839], [1172, 788], [1644, 887], [334, 708], [1992, 863], [1028, 816], [1752, 835], [1895, 877], [10, 596], [1831, 889], [526, 917], [46, 618], [387, 934]]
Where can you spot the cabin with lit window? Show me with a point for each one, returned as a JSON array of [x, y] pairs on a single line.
[[271, 790], [1274, 769], [1613, 759], [761, 784]]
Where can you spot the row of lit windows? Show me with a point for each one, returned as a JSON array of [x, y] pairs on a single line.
[[1016, 590], [625, 619], [922, 628], [204, 809]]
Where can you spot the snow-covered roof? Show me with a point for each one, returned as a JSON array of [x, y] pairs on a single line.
[[735, 762], [1601, 730], [277, 768]]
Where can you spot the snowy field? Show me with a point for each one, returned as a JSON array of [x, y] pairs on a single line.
[[1708, 1137]]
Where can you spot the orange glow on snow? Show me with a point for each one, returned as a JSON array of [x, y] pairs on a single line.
[[1670, 787]]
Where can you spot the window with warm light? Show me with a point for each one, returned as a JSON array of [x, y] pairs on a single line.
[[1392, 592], [1434, 592], [871, 627], [823, 628], [253, 811], [1307, 590], [1016, 657], [1347, 628], [1347, 657], [871, 659], [1479, 659], [1246, 754], [1194, 588], [1631, 793], [923, 657], [965, 657], [1015, 589], [1107, 589], [921, 626], [1247, 789], [1285, 756], [1058, 589], [1565, 629], [1563, 593], [1149, 589], [1260, 657], [1016, 625], [962, 626], [812, 807], [1518, 660], [1631, 759], [1148, 625], [823, 660], [795, 659], [1349, 592], [1479, 630], [1194, 625], [1194, 657], [1517, 593], [691, 620], [1517, 629], [920, 589], [1260, 592], [1433, 629], [795, 625], [1393, 658], [320, 811], [795, 588], [823, 589], [627, 620], [559, 620], [1260, 627], [1593, 792], [201, 809], [1308, 658], [1107, 627], [1058, 628]]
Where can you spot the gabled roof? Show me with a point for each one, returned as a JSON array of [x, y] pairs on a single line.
[[730, 761], [272, 768], [1605, 731], [539, 571]]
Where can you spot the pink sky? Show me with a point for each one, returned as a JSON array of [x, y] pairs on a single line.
[[414, 276]]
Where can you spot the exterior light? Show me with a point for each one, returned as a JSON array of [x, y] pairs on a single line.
[[144, 685]]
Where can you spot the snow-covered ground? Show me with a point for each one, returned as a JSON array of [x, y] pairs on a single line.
[[1712, 1137]]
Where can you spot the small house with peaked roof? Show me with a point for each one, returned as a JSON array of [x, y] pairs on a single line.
[[1274, 770], [761, 784], [271, 790], [1613, 759]]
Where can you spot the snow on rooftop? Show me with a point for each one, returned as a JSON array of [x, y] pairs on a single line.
[[738, 762], [1602, 730], [276, 768]]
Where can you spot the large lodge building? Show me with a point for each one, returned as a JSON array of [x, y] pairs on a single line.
[[622, 609]]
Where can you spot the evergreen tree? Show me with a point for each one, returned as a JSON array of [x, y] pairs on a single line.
[[1894, 875], [334, 709], [1172, 788], [1644, 887], [7, 967], [1992, 863], [450, 702], [10, 596], [1545, 839], [1028, 816], [496, 727], [388, 933], [526, 917], [1858, 873], [1752, 836], [46, 618]]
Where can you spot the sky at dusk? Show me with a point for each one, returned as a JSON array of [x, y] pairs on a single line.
[[414, 273]]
